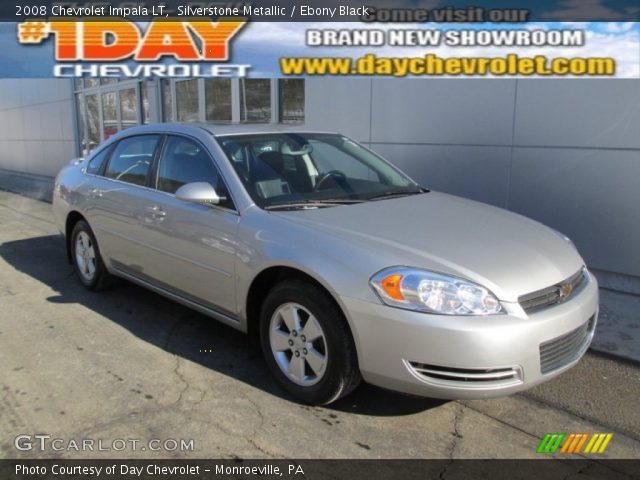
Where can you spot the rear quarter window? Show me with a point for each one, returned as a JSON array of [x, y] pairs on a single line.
[[97, 161]]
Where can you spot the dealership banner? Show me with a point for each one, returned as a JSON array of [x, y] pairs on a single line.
[[304, 39]]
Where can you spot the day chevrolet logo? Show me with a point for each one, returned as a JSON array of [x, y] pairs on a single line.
[[118, 39], [573, 443]]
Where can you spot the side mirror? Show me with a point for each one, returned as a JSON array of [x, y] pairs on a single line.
[[199, 192]]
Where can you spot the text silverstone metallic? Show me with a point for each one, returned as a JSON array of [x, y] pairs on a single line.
[[246, 10]]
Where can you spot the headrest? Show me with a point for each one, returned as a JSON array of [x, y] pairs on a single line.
[[302, 150]]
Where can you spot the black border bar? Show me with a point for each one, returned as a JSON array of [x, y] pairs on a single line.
[[292, 10], [547, 468]]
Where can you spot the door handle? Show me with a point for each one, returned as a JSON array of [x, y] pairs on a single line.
[[156, 212], [95, 193]]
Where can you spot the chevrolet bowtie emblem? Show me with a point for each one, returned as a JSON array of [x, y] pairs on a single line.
[[565, 290]]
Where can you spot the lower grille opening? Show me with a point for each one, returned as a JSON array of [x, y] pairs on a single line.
[[565, 349], [481, 377]]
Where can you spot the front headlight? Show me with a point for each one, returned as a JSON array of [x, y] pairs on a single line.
[[431, 292]]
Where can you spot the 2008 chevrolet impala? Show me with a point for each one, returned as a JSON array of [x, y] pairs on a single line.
[[345, 267]]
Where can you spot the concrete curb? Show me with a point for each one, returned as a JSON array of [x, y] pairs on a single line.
[[38, 187]]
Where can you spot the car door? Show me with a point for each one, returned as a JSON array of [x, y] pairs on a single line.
[[193, 246], [118, 202]]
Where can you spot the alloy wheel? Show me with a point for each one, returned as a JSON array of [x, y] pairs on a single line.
[[85, 256], [298, 344]]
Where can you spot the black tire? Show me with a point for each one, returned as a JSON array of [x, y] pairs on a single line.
[[341, 374], [101, 278]]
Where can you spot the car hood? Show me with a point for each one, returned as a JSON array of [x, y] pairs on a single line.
[[506, 252]]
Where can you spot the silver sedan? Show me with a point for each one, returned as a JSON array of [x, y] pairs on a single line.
[[342, 266]]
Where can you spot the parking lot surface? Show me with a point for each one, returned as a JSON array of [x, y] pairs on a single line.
[[129, 364]]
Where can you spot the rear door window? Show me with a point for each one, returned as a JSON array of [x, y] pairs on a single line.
[[132, 158]]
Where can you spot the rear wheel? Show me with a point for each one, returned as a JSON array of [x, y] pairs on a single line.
[[307, 343], [86, 258]]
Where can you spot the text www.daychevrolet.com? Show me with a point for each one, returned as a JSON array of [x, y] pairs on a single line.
[[434, 65]]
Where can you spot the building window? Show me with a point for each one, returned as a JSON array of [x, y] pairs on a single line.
[[80, 116], [187, 101], [291, 96], [255, 100], [109, 115], [93, 121], [105, 106], [217, 95], [144, 97], [128, 108], [167, 101]]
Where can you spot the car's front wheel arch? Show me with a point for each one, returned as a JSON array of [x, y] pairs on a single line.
[[265, 281], [307, 342]]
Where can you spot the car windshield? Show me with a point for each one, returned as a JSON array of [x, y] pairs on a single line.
[[312, 170]]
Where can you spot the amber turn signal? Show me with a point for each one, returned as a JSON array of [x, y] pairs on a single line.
[[391, 286]]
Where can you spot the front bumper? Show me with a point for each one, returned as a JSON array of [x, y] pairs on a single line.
[[470, 357]]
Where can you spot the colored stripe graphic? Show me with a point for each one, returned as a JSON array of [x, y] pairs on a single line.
[[572, 443], [598, 442], [550, 443]]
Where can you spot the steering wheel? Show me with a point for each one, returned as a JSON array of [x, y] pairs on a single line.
[[340, 178]]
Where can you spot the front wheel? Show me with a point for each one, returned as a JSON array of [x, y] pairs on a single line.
[[86, 258], [307, 343]]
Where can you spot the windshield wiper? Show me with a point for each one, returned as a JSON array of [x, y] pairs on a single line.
[[394, 194], [340, 201], [330, 202]]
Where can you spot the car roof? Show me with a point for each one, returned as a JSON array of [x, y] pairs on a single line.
[[217, 130]]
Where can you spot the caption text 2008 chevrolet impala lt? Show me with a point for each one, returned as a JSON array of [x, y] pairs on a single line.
[[343, 266]]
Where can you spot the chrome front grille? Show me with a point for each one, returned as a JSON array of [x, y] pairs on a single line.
[[469, 377], [554, 294], [563, 350]]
